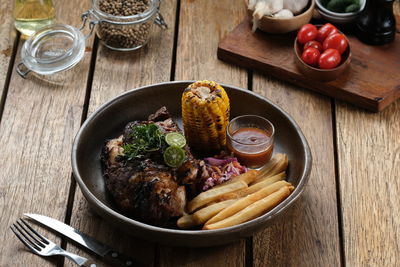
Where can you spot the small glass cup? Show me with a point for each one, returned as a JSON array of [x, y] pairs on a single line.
[[251, 139]]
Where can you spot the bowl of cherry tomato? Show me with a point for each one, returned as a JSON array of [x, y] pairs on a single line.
[[322, 52]]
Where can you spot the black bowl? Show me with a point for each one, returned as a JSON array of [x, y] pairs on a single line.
[[109, 120]]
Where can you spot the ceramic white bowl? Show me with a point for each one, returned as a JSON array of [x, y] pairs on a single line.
[[336, 17]]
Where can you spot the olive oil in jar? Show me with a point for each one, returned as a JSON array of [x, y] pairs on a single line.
[[31, 15]]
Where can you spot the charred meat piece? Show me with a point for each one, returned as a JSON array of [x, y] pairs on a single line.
[[188, 172], [151, 195], [160, 115], [146, 189]]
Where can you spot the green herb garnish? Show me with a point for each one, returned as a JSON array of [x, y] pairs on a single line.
[[145, 138], [341, 6]]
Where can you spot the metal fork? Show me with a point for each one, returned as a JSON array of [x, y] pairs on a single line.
[[40, 245]]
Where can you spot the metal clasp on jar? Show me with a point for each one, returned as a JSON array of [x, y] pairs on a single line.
[[85, 16], [160, 21]]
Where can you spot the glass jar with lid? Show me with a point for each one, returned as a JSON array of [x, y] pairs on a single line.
[[120, 25], [124, 25]]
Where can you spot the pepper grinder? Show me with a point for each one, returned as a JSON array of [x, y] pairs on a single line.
[[376, 24]]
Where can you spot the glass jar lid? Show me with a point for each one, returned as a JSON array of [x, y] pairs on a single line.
[[52, 49]]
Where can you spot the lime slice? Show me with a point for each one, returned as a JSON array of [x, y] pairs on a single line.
[[174, 156], [175, 139]]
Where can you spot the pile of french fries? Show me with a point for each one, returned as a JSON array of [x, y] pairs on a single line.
[[241, 199]]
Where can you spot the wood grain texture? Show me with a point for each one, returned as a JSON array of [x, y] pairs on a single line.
[[8, 35], [115, 73], [369, 172], [39, 122], [371, 82], [307, 235], [202, 25]]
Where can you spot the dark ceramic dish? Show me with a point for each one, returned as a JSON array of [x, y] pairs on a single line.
[[108, 122]]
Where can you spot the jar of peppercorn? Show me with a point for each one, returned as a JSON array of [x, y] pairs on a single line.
[[124, 25]]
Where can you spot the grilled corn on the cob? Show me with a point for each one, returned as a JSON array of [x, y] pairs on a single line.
[[205, 114]]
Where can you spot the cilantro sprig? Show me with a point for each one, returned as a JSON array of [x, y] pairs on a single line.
[[145, 138]]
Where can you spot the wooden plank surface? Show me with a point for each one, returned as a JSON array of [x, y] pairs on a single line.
[[115, 73], [41, 118], [308, 234], [369, 172], [38, 125], [7, 39], [370, 82], [202, 25]]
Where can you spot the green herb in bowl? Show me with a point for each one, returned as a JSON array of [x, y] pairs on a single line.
[[341, 6]]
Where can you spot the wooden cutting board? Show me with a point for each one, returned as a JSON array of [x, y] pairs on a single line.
[[372, 81]]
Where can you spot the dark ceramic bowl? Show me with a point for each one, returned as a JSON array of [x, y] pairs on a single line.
[[109, 120]]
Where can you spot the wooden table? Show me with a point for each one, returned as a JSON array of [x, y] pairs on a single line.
[[348, 214]]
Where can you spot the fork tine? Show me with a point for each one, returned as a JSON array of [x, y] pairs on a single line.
[[43, 239], [17, 232], [35, 240]]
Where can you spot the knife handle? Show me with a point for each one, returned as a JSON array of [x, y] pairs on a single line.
[[117, 259]]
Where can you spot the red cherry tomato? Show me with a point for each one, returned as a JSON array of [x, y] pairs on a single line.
[[329, 59], [336, 41], [307, 33], [325, 31], [314, 44], [311, 56]]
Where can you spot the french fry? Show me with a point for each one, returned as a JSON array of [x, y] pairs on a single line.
[[276, 165], [258, 186], [271, 179], [233, 195], [246, 201], [186, 222], [204, 214], [262, 182], [247, 177], [214, 194], [271, 163], [254, 210]]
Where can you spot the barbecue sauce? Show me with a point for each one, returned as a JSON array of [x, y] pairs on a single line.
[[252, 146]]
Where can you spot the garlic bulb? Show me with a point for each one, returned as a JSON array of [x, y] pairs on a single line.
[[265, 8], [283, 14], [296, 6], [252, 4], [275, 8]]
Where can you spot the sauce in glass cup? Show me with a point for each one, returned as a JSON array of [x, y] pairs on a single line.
[[251, 139]]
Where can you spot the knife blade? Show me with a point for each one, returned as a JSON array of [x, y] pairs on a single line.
[[104, 251]]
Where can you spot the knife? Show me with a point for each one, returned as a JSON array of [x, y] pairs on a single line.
[[109, 255]]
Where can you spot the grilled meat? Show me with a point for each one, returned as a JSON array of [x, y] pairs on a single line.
[[148, 190]]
